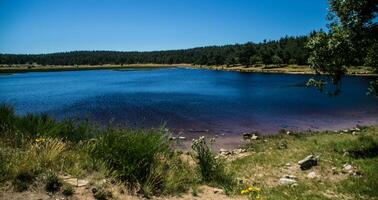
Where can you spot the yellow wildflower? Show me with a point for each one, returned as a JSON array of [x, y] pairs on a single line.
[[40, 140]]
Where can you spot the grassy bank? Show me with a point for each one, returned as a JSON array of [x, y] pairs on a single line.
[[40, 156], [285, 69]]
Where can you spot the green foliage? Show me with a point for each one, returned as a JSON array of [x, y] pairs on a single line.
[[131, 154], [362, 147], [67, 190], [170, 175], [286, 48], [212, 170], [53, 184], [351, 40], [102, 194], [23, 180], [277, 60]]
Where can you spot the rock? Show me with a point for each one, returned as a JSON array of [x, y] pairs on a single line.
[[172, 138], [347, 167], [251, 136], [287, 181], [247, 136], [357, 129], [182, 138], [288, 132], [254, 137], [308, 162], [290, 176], [238, 151], [224, 152], [218, 191], [76, 182], [345, 131], [312, 175]]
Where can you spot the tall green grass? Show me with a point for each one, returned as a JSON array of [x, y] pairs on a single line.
[[37, 145]]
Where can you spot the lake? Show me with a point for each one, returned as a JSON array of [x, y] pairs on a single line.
[[191, 100]]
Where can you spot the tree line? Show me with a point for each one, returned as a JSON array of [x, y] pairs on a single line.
[[287, 50]]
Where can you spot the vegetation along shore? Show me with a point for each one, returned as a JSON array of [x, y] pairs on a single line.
[[284, 69], [42, 159]]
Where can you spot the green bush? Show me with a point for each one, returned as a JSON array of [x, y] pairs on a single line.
[[22, 181], [212, 170], [364, 146], [53, 183], [68, 190], [131, 154]]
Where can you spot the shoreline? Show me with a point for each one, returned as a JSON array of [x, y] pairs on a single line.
[[287, 69]]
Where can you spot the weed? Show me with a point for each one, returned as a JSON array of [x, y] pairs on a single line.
[[53, 183]]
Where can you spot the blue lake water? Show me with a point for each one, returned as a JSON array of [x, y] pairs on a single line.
[[190, 99]]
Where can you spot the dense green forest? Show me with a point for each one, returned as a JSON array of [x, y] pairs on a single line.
[[287, 50]]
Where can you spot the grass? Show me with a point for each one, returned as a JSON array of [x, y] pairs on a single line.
[[36, 146], [36, 150], [268, 163]]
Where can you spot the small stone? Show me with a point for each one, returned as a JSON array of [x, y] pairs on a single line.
[[217, 191], [224, 152], [247, 136], [254, 137], [288, 132], [345, 131], [182, 138], [312, 175], [286, 181], [239, 151], [76, 182], [290, 177], [357, 129], [348, 167], [308, 162]]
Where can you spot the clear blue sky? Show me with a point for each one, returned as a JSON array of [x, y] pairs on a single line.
[[44, 26]]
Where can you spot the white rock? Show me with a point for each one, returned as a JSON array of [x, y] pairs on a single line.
[[224, 152], [286, 181], [348, 167], [76, 182], [218, 191], [182, 138], [312, 175]]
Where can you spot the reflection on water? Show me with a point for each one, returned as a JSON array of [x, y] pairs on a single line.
[[190, 100]]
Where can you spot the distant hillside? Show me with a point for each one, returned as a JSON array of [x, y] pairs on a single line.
[[287, 50]]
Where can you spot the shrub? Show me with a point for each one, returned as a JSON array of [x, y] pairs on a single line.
[[68, 190], [53, 184], [102, 194], [131, 154], [22, 181], [170, 175], [364, 146], [212, 170]]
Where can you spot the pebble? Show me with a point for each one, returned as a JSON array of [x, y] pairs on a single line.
[[287, 181]]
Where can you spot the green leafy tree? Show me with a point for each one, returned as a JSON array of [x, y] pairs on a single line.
[[351, 39], [277, 60]]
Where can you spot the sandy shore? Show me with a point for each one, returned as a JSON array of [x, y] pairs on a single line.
[[286, 69]]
